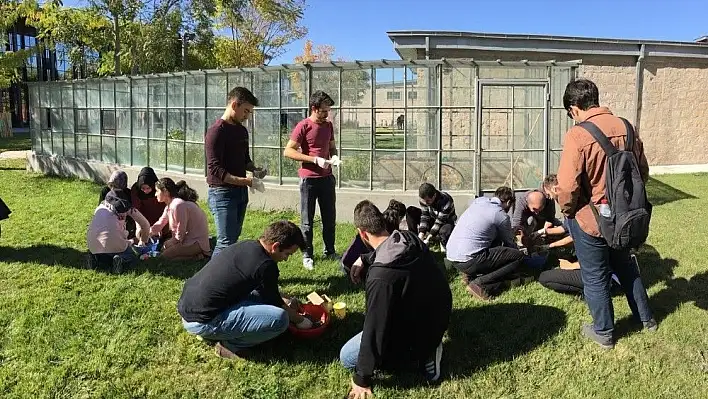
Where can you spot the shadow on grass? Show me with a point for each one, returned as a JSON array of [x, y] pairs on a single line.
[[653, 268], [660, 193]]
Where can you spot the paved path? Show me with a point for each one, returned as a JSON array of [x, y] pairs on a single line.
[[14, 155]]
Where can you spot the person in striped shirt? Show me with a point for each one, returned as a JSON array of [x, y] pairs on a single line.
[[436, 216]]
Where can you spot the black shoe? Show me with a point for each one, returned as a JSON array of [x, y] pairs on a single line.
[[431, 368], [117, 264], [604, 342], [651, 325]]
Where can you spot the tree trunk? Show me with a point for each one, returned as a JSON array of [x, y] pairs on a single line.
[[116, 36]]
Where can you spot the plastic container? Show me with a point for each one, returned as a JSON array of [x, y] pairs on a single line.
[[317, 312], [604, 209]]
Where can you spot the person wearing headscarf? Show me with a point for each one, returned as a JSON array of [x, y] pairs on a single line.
[[117, 181], [107, 237], [143, 195]]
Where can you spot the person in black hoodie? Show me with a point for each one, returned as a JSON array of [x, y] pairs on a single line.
[[408, 304], [143, 198]]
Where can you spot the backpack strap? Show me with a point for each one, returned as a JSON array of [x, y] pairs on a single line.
[[629, 145], [599, 137]]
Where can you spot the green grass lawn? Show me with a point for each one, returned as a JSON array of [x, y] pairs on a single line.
[[17, 143], [72, 333]]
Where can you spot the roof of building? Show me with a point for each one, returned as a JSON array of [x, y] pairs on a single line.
[[408, 43]]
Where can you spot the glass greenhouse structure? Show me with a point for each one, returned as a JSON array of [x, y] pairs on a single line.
[[461, 125]]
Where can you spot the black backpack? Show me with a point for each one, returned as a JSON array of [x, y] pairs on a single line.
[[628, 225]]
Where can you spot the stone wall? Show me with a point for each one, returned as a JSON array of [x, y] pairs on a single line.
[[616, 79]]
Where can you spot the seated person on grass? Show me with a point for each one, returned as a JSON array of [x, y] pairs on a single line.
[[107, 237], [351, 263], [436, 216], [142, 194], [235, 301], [187, 221], [408, 305], [535, 210], [482, 246]]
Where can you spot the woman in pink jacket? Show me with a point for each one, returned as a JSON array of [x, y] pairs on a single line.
[[188, 223]]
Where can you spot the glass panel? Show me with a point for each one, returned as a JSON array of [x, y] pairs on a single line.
[[123, 151], [195, 126], [57, 144], [123, 121], [497, 96], [265, 88], [560, 124], [293, 92], [56, 120], [67, 100], [157, 93], [81, 120], [79, 95], [506, 72], [93, 95], [175, 155], [55, 95], [422, 86], [69, 144], [94, 148], [158, 124], [122, 94], [528, 170], [140, 152], [529, 96], [108, 123], [175, 91], [421, 167], [212, 115], [34, 96], [388, 170], [355, 125], [326, 80], [268, 158], [44, 96], [108, 150], [140, 93], [216, 90], [195, 91], [81, 146], [157, 154], [175, 125], [356, 88], [495, 170], [267, 128], [422, 129], [528, 128], [560, 77], [290, 169], [554, 161], [458, 86], [389, 87], [289, 119], [496, 126], [459, 129], [354, 171], [458, 171], [36, 142], [94, 121], [46, 142], [107, 100], [140, 122], [389, 129], [238, 79], [195, 159]]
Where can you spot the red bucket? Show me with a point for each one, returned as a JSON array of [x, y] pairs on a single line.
[[317, 312]]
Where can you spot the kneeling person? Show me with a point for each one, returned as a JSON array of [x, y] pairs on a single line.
[[234, 299], [408, 304]]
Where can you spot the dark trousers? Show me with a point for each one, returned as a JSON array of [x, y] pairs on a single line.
[[318, 190], [562, 280], [597, 263], [491, 267], [413, 215]]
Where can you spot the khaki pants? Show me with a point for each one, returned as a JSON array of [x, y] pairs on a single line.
[[176, 250]]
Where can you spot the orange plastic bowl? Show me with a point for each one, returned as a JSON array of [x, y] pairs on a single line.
[[317, 312]]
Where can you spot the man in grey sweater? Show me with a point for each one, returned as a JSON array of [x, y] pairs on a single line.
[[482, 244]]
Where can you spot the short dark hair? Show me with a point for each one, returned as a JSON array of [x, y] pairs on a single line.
[[285, 233], [581, 93], [368, 218], [550, 181], [505, 194], [427, 190], [319, 99], [242, 96]]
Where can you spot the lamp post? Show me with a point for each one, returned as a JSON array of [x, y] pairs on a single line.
[[186, 38]]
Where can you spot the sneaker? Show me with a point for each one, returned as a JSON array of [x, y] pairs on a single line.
[[225, 353], [332, 256], [477, 291], [442, 248], [432, 366], [604, 342], [651, 325], [308, 263], [117, 264]]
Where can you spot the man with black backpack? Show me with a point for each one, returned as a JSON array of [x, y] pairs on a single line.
[[601, 191]]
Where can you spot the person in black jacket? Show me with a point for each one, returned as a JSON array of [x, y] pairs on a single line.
[[408, 304]]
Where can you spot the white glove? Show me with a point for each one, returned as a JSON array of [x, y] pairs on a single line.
[[335, 161], [305, 324], [542, 232], [321, 162], [260, 173], [257, 184]]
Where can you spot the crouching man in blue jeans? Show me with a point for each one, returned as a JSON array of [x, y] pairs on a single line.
[[234, 299], [408, 305]]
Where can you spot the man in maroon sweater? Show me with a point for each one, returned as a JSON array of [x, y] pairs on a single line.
[[226, 145]]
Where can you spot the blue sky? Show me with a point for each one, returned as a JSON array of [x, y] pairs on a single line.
[[357, 28]]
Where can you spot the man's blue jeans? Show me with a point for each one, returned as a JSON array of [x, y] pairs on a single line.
[[228, 206], [244, 325], [597, 263], [349, 354]]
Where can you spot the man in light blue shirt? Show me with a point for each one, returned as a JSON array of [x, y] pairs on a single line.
[[482, 244]]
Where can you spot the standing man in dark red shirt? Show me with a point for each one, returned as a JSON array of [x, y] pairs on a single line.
[[226, 145], [314, 137]]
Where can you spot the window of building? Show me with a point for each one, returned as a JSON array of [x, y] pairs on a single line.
[[393, 95]]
